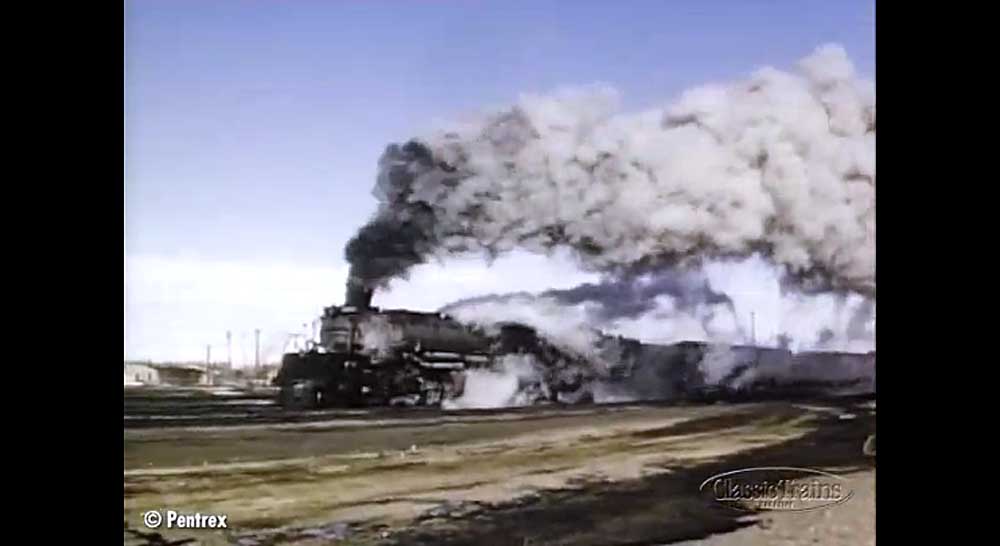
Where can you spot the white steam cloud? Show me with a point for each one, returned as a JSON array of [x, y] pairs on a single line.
[[713, 304], [516, 380]]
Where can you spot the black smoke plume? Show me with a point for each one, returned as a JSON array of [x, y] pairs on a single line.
[[401, 234], [781, 164]]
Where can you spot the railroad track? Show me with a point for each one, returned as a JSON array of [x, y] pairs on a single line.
[[161, 415], [151, 411]]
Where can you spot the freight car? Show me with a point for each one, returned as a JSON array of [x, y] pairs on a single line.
[[700, 371]]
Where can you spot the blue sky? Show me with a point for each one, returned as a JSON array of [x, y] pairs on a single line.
[[253, 127]]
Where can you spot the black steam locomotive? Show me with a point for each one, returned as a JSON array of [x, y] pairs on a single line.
[[372, 356]]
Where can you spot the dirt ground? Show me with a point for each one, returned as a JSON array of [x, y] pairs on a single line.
[[848, 524], [598, 475]]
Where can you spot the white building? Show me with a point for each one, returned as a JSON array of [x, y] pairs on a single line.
[[137, 373]]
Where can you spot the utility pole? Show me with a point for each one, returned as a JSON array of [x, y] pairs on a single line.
[[229, 349], [753, 328], [208, 355], [256, 349]]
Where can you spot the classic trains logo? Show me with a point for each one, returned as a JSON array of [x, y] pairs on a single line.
[[777, 488]]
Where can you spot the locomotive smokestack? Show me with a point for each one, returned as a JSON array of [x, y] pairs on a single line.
[[358, 294]]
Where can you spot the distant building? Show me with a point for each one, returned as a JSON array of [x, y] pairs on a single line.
[[182, 374], [141, 373], [148, 373]]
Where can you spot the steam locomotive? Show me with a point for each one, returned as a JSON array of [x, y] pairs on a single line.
[[370, 356]]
